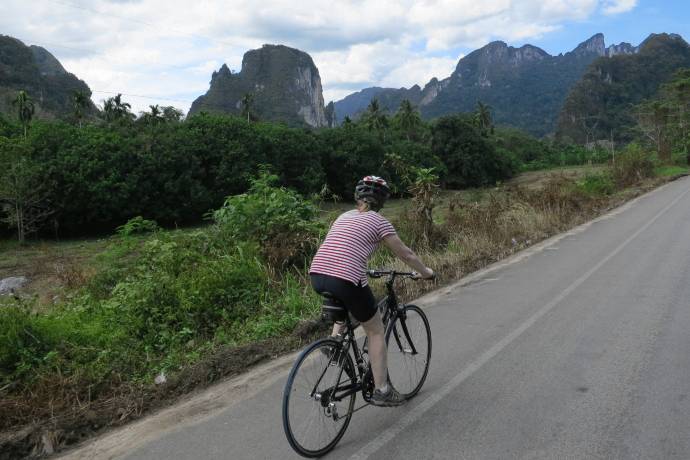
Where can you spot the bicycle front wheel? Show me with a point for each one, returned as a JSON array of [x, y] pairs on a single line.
[[315, 412], [408, 339]]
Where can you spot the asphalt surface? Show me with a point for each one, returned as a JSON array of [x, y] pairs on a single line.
[[581, 350]]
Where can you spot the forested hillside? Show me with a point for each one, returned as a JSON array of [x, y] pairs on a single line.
[[524, 86], [37, 72], [601, 105]]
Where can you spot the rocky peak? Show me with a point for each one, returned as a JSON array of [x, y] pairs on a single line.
[[46, 62], [224, 71], [499, 53], [284, 81], [36, 71], [594, 45], [654, 40], [621, 49]]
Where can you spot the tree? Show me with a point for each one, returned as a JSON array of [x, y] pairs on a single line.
[[154, 116], [79, 104], [374, 118], [25, 109], [677, 95], [469, 157], [408, 119], [23, 198], [172, 114], [424, 189], [115, 110], [653, 118], [247, 101], [483, 119]]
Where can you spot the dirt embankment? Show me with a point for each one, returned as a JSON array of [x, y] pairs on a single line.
[[43, 438]]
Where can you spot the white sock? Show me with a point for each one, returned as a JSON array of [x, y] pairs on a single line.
[[384, 389]]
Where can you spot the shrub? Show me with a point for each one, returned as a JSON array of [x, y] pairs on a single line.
[[471, 160], [280, 220], [137, 225], [597, 184], [632, 165]]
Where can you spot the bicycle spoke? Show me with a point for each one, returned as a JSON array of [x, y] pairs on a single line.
[[312, 419], [409, 348]]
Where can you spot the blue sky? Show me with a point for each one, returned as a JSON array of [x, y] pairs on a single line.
[[164, 51], [647, 17]]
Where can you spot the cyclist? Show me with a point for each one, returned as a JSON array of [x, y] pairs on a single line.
[[339, 268]]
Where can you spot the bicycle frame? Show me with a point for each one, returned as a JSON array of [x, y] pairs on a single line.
[[356, 384], [389, 308]]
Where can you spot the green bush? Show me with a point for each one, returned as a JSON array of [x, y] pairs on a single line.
[[633, 165], [597, 184], [137, 225], [471, 160], [279, 220], [69, 341]]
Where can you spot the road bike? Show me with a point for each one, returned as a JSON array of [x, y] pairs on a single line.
[[320, 392]]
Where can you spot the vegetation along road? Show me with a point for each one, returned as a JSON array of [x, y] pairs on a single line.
[[575, 348]]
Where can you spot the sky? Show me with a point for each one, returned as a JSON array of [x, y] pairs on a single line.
[[164, 51]]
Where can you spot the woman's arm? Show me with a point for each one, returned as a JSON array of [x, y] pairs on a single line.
[[407, 255]]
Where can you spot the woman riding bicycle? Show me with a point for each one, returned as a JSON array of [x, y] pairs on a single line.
[[339, 268]]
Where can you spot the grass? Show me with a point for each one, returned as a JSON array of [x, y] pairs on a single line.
[[671, 170]]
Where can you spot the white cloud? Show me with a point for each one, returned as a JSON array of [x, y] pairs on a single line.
[[167, 49], [419, 70], [618, 6]]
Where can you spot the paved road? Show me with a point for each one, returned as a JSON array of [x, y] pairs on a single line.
[[581, 350]]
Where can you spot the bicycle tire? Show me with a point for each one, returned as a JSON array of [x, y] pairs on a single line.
[[328, 369], [408, 342]]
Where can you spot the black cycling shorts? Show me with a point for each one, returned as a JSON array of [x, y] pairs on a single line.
[[359, 300]]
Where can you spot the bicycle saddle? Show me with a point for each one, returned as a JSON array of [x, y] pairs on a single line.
[[332, 309]]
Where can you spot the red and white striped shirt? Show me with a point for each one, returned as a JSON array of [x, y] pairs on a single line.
[[353, 237]]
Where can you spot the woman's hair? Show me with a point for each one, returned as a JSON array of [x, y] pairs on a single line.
[[363, 206]]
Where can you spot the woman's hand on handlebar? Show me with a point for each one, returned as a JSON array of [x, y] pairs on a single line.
[[429, 275]]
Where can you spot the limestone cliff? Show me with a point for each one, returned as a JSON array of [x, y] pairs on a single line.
[[524, 86], [599, 105], [284, 83], [34, 70]]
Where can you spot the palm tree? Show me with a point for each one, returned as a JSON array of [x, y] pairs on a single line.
[[122, 109], [374, 118], [25, 109], [153, 117], [116, 110], [171, 114], [108, 110], [482, 116], [409, 119], [79, 103], [247, 100]]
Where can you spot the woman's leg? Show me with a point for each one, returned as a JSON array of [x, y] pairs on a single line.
[[377, 350]]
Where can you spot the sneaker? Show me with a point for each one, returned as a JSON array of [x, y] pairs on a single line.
[[388, 399]]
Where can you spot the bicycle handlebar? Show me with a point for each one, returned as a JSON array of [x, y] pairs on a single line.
[[377, 273]]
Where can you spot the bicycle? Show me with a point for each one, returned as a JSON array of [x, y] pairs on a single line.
[[325, 379]]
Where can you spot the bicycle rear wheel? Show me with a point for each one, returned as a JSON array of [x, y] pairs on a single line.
[[315, 416], [408, 338]]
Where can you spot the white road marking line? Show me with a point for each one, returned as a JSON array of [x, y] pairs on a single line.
[[412, 416]]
